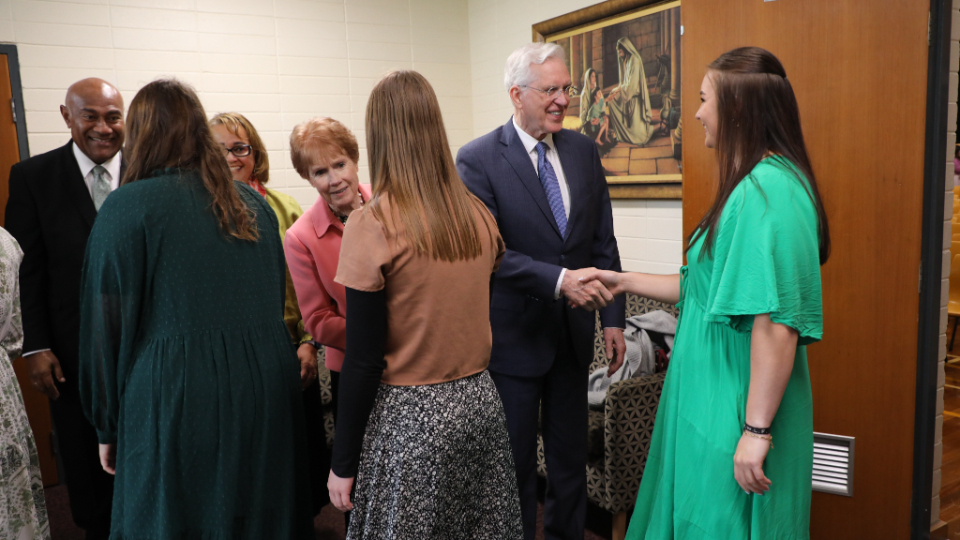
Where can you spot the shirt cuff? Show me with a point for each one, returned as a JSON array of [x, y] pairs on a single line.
[[26, 354], [556, 291]]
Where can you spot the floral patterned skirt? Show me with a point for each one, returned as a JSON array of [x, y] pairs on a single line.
[[436, 464], [23, 514]]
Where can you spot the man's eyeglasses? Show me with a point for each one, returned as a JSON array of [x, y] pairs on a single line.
[[554, 91], [239, 150]]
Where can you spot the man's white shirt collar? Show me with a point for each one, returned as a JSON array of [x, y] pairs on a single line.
[[86, 164], [529, 142]]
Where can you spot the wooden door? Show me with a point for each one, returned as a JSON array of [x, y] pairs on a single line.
[[38, 407], [859, 69]]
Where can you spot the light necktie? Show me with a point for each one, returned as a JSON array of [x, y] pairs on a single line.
[[552, 187], [101, 186]]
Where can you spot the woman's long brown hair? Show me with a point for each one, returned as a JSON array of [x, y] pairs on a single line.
[[167, 128], [757, 116], [411, 163]]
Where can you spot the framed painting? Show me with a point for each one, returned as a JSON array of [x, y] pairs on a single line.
[[624, 57]]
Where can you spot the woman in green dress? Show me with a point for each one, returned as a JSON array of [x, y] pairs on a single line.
[[750, 302], [187, 370]]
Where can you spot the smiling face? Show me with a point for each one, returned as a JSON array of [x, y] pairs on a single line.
[[536, 113], [240, 167], [707, 113], [334, 175], [94, 114]]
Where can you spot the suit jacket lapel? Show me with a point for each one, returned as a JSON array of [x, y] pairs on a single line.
[[573, 174], [74, 186], [515, 154]]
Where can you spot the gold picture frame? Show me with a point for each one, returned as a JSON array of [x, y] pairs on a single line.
[[624, 56]]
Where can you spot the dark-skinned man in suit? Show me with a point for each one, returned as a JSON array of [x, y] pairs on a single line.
[[546, 187], [54, 199]]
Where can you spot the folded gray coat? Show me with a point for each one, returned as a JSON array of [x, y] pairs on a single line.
[[640, 358]]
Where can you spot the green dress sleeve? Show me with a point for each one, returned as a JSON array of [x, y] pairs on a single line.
[[112, 288], [766, 256]]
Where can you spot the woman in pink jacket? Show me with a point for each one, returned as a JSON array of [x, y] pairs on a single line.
[[324, 153]]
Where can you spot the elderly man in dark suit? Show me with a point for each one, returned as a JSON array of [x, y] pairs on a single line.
[[546, 187], [54, 199]]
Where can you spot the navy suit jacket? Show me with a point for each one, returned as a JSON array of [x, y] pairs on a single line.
[[528, 324]]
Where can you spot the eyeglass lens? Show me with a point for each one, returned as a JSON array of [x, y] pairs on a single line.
[[240, 150]]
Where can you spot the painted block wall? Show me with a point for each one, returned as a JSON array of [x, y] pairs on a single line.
[[278, 62], [954, 13], [649, 232]]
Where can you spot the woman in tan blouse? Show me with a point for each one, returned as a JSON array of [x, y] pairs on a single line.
[[421, 433]]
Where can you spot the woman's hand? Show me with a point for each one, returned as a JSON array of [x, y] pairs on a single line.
[[307, 354], [340, 489], [611, 280], [748, 464], [108, 457]]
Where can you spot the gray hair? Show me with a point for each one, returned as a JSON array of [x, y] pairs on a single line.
[[517, 71]]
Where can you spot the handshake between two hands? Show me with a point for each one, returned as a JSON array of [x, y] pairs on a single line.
[[589, 288]]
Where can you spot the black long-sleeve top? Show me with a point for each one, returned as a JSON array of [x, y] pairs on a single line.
[[360, 376]]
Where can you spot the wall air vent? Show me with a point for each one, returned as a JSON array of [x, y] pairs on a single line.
[[833, 464]]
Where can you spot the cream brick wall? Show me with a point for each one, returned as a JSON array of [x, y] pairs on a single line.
[[947, 256], [649, 232], [282, 61], [278, 62]]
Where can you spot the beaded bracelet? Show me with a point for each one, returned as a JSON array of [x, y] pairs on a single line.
[[768, 438], [756, 430]]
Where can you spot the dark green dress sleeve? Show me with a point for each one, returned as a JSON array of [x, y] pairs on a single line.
[[766, 255], [112, 285]]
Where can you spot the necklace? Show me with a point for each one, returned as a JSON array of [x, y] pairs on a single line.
[[343, 217]]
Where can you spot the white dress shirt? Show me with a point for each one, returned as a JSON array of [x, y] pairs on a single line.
[[112, 166], [553, 157], [86, 164]]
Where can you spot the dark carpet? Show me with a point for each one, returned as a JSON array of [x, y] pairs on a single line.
[[328, 525]]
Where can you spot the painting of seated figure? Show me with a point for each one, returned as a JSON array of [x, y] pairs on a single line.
[[627, 72]]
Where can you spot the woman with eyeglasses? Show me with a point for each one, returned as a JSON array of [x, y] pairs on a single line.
[[248, 161], [186, 367]]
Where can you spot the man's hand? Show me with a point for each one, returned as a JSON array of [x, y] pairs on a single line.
[[340, 489], [616, 348], [611, 280], [307, 354], [587, 295], [45, 373], [108, 457]]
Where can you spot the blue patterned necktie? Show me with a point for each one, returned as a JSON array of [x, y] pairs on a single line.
[[101, 187], [552, 187]]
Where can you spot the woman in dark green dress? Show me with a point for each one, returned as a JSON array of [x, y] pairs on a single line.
[[187, 370], [751, 301]]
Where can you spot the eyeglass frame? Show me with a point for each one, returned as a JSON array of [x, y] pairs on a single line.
[[232, 150], [551, 93]]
